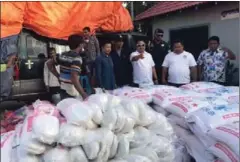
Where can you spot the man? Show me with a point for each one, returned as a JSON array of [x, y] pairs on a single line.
[[212, 62], [122, 65], [159, 49], [179, 65], [143, 66], [50, 80], [70, 68], [104, 68], [92, 50]]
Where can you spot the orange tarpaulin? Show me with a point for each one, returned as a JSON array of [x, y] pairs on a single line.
[[61, 19]]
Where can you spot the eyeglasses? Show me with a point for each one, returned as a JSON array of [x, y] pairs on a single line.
[[141, 45]]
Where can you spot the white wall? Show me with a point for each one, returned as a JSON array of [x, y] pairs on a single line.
[[227, 30]]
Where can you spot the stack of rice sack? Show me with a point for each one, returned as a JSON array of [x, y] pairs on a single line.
[[103, 128], [200, 112]]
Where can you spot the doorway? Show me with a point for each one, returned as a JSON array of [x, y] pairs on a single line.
[[195, 39]]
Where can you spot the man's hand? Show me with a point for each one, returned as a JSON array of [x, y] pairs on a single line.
[[141, 56], [84, 96]]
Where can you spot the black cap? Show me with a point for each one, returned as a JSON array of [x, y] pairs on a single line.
[[159, 30], [119, 37]]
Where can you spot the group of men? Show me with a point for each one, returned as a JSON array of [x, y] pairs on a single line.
[[112, 66]]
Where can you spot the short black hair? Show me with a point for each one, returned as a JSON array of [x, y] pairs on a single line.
[[177, 41], [74, 41], [86, 28], [105, 42], [214, 38], [159, 31], [140, 40], [52, 49], [41, 56]]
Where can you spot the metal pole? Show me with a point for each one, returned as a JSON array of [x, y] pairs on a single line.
[[132, 10]]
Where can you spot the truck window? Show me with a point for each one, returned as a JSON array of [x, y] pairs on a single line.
[[35, 47]]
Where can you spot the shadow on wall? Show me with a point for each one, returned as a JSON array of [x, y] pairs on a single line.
[[232, 73]]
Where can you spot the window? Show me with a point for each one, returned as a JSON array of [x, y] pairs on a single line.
[[35, 47]]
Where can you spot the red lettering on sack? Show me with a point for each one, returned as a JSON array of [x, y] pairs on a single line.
[[226, 151], [180, 106], [224, 129], [5, 140], [29, 123], [178, 98], [233, 115], [158, 97]]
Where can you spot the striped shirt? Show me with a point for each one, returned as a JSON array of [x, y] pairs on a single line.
[[68, 61]]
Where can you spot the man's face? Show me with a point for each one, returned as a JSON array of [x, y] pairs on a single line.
[[119, 44], [213, 45], [52, 53], [178, 48], [141, 46], [159, 36], [107, 48], [86, 33]]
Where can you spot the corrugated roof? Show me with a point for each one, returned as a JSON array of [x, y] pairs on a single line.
[[165, 7]]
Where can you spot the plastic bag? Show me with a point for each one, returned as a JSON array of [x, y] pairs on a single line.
[[97, 113], [46, 128], [121, 119], [210, 117], [58, 154], [123, 146], [221, 151], [77, 155], [136, 158], [110, 118], [6, 146], [145, 151], [131, 108], [141, 137], [77, 113], [71, 135], [146, 115], [45, 107], [178, 121], [114, 147], [100, 99], [182, 108], [160, 110], [228, 134], [91, 150]]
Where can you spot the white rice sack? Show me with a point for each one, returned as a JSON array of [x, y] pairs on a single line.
[[228, 134], [178, 121], [141, 137], [146, 115], [136, 158], [210, 117], [121, 119], [27, 140], [161, 127], [182, 108], [160, 110], [19, 155], [152, 89], [129, 124], [46, 128], [71, 135], [201, 86], [114, 147], [181, 154], [131, 108], [105, 146], [96, 135], [45, 107], [100, 99], [145, 151], [77, 155], [223, 152], [6, 146], [194, 146], [110, 117], [123, 146], [58, 154], [164, 98], [113, 101], [230, 94], [97, 113], [91, 150], [77, 113]]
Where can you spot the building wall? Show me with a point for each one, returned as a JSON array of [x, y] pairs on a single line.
[[227, 30]]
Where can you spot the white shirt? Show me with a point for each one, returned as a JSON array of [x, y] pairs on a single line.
[[179, 67], [50, 79], [142, 69]]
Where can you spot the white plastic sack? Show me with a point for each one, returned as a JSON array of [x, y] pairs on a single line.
[[76, 112], [6, 146], [71, 135], [121, 119], [152, 89], [123, 146], [201, 86], [145, 151], [109, 118], [91, 150], [131, 107], [117, 160], [77, 155], [178, 121], [45, 107], [221, 151], [27, 140], [164, 98], [46, 128], [228, 134], [208, 118], [97, 112], [182, 108], [113, 150], [141, 137], [160, 110], [146, 115], [181, 154], [99, 99], [58, 154], [136, 158]]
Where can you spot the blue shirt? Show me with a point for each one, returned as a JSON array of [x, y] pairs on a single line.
[[104, 72]]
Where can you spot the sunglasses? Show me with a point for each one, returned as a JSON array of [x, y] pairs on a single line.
[[160, 35], [141, 45]]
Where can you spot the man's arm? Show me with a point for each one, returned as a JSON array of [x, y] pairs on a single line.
[[136, 58], [164, 75], [154, 75], [193, 70], [76, 82], [200, 63], [51, 66], [230, 55]]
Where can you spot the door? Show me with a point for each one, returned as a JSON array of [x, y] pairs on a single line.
[[195, 39], [31, 58]]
